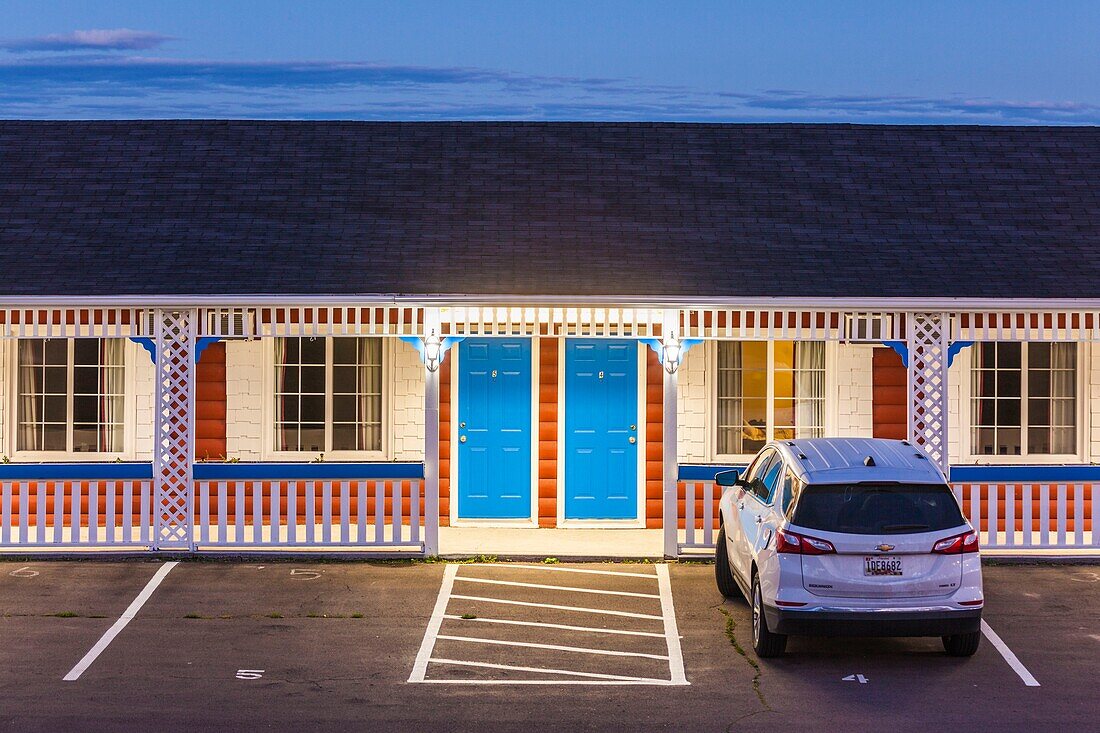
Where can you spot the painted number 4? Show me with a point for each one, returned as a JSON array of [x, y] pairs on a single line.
[[249, 674], [855, 678]]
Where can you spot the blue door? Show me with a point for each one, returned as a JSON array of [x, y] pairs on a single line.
[[601, 429], [494, 429]]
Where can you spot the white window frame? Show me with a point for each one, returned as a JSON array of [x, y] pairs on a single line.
[[711, 431], [965, 360], [129, 411], [268, 409]]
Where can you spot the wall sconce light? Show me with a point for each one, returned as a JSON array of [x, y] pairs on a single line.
[[672, 351], [432, 350]]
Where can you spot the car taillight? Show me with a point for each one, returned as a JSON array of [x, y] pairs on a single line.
[[957, 545], [799, 544]]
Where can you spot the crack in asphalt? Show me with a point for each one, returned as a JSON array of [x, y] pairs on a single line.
[[731, 628]]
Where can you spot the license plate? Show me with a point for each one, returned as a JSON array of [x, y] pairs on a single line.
[[880, 565]]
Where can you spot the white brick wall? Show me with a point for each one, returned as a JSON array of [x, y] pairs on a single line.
[[854, 415], [244, 364], [244, 382], [5, 394], [691, 414], [144, 386], [406, 404]]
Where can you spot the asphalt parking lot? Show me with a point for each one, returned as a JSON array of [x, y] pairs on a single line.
[[415, 646]]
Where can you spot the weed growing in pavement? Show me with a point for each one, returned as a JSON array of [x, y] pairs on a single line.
[[357, 615], [194, 615], [274, 615], [731, 628], [467, 616], [550, 561], [63, 614]]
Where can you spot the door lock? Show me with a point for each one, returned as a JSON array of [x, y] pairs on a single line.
[[633, 427], [462, 439], [633, 439], [462, 424]]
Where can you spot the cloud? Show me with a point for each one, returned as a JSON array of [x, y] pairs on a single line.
[[110, 86], [117, 39]]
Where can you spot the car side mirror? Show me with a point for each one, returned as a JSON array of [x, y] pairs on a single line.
[[728, 478]]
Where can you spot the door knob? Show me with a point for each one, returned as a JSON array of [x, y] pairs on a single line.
[[462, 439], [633, 439]]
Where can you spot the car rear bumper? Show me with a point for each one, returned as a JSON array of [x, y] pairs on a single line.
[[942, 621]]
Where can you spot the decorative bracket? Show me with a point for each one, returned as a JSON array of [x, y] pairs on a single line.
[[150, 345], [902, 350]]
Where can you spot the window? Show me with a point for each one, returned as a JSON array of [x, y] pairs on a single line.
[[71, 395], [1024, 399], [769, 390], [328, 394], [876, 509]]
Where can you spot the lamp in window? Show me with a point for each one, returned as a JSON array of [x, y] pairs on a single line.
[[671, 352], [433, 347]]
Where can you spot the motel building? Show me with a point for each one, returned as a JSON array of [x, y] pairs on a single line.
[[520, 338]]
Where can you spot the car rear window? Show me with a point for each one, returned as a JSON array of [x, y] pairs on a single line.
[[877, 508]]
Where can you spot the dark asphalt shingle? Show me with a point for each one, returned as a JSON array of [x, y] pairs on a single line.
[[219, 207]]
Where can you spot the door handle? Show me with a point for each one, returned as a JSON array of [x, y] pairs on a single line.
[[462, 439], [633, 439], [740, 505], [759, 519]]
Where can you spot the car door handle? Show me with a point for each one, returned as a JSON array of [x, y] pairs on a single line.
[[759, 519], [740, 505]]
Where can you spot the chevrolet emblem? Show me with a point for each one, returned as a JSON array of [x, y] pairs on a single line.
[[884, 548]]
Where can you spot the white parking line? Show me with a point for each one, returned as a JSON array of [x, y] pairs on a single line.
[[420, 666], [568, 588], [559, 569], [118, 626], [672, 634], [1013, 661], [540, 670], [579, 609], [563, 627], [555, 647], [451, 575]]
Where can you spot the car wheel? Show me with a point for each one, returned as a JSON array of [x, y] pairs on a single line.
[[764, 643], [723, 575], [962, 645]]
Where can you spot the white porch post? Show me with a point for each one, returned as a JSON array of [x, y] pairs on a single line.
[[173, 448], [431, 445], [668, 454], [927, 336]]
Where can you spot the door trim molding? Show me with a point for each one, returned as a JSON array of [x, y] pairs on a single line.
[[525, 522], [639, 521]]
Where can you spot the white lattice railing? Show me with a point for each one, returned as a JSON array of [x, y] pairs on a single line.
[[77, 513], [1018, 516], [382, 513]]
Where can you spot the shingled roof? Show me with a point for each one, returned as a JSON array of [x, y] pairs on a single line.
[[334, 208]]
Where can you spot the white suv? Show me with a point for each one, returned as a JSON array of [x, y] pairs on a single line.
[[853, 537]]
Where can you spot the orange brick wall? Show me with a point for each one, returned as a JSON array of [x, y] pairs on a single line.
[[445, 443], [210, 403], [654, 437], [549, 371]]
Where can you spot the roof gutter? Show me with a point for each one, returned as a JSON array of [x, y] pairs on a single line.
[[627, 301]]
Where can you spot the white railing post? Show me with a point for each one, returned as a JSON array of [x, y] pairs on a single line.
[[173, 448], [431, 445], [670, 518], [927, 337]]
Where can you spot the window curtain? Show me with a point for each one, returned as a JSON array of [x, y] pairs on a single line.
[[730, 415], [809, 389], [1063, 415], [369, 389], [112, 395], [31, 384], [280, 396]]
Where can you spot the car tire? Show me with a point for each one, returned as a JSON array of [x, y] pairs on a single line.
[[723, 574], [764, 642], [962, 645]]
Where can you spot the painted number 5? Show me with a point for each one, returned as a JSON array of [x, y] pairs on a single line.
[[305, 574]]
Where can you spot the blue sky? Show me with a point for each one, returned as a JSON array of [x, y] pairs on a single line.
[[988, 62]]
